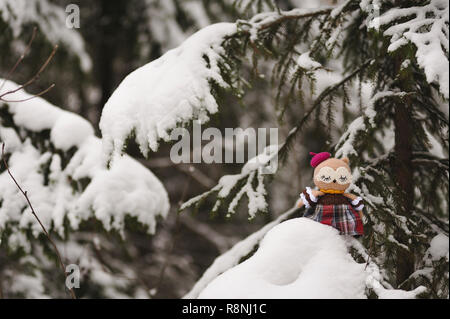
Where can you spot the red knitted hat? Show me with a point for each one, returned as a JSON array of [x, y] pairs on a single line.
[[318, 158]]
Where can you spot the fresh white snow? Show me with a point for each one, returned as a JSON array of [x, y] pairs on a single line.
[[232, 257], [427, 28], [109, 195], [299, 258], [165, 93], [253, 169], [305, 62], [439, 247]]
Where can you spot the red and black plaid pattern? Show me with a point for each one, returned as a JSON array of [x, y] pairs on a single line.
[[342, 217]]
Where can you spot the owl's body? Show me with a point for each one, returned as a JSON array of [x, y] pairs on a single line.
[[330, 205], [338, 211]]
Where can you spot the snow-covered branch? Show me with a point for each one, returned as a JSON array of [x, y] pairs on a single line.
[[427, 27], [252, 171], [56, 157], [166, 93], [178, 87]]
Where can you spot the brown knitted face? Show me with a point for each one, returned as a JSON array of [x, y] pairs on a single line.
[[333, 174]]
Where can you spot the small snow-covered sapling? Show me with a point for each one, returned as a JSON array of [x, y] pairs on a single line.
[[330, 204]]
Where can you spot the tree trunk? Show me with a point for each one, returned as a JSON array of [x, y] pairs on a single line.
[[405, 183]]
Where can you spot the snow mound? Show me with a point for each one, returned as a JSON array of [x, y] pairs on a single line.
[[174, 89], [298, 258]]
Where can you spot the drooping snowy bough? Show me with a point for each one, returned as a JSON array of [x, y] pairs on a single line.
[[181, 85], [60, 165], [55, 156], [166, 93], [228, 186], [426, 27]]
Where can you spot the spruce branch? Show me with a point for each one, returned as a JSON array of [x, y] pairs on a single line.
[[268, 20], [32, 80], [22, 56], [295, 14], [33, 212], [247, 177], [317, 103]]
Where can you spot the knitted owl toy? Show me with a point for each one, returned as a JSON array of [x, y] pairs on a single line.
[[330, 205]]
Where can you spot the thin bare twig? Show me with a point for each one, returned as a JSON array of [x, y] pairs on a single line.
[[31, 97], [35, 77], [22, 56], [61, 263]]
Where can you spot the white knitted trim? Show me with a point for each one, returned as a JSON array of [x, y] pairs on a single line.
[[302, 196], [313, 198], [360, 207], [356, 200]]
